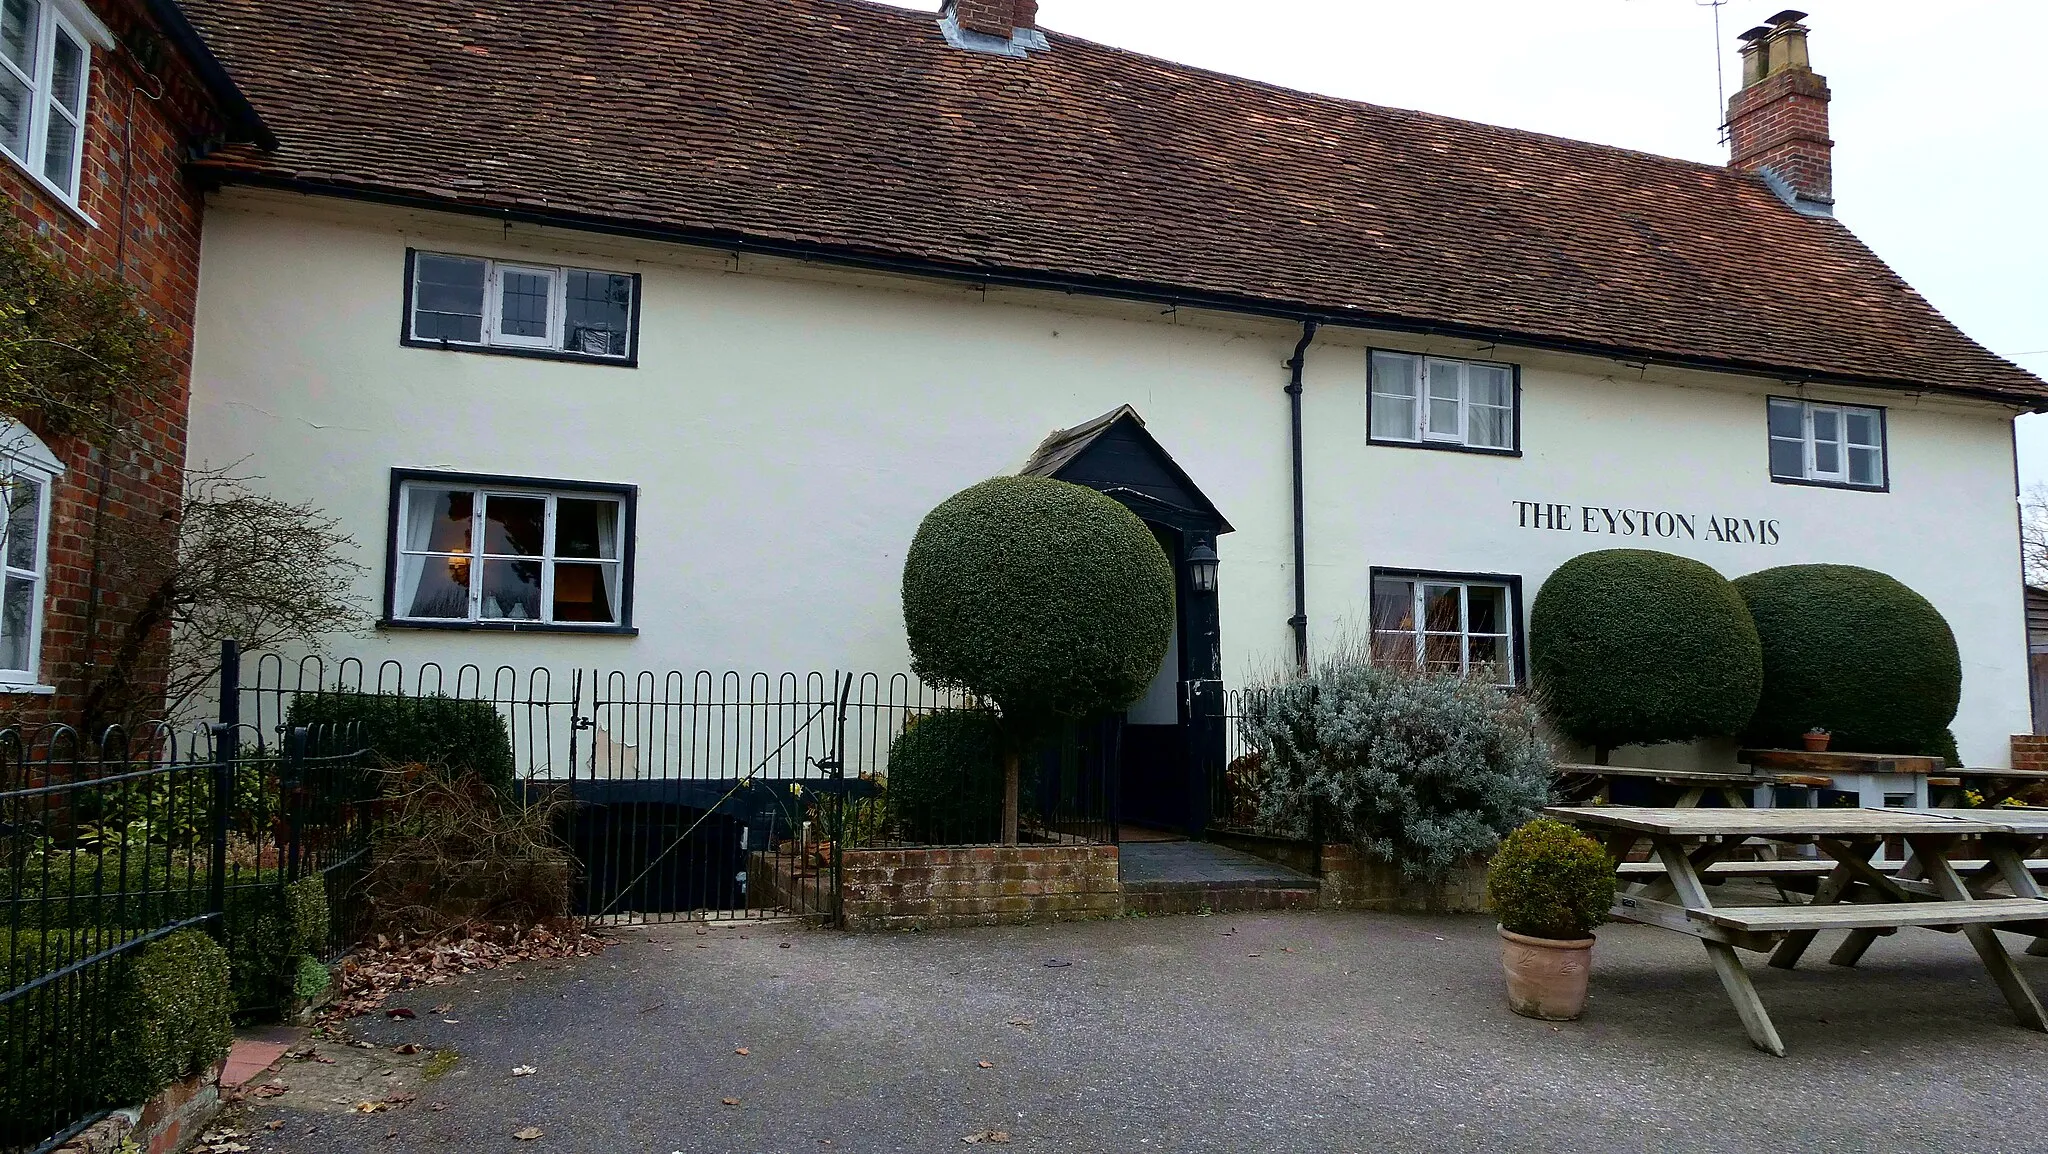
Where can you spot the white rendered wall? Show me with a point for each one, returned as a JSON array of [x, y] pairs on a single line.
[[789, 426]]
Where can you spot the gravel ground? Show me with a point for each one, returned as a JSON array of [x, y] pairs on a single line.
[[1281, 1032]]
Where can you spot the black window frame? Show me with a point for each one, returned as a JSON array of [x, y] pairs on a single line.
[[1371, 373], [405, 319], [1884, 446], [629, 498], [1518, 629]]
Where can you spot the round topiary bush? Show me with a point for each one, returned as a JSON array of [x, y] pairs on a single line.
[[1049, 599], [1856, 653], [946, 778], [1636, 647], [1550, 881]]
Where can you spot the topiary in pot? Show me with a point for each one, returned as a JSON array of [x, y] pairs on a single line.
[[1637, 647], [1047, 598], [1550, 885], [1854, 652]]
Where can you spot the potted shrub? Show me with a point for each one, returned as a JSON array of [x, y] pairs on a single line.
[[1816, 740], [1550, 885]]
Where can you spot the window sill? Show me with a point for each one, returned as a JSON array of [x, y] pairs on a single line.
[[27, 690], [630, 361], [55, 194], [1443, 447], [1884, 488], [509, 627]]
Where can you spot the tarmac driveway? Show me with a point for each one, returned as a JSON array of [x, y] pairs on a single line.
[[1282, 1032]]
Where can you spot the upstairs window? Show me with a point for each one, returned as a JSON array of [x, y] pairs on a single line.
[[521, 309], [45, 74], [1824, 444], [1444, 623], [486, 551], [1440, 403]]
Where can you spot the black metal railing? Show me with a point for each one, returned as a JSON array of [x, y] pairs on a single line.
[[110, 845], [724, 794]]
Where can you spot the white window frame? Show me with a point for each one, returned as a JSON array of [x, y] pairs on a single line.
[[23, 455], [494, 338], [480, 497], [1811, 471], [53, 18], [1423, 582], [1429, 373]]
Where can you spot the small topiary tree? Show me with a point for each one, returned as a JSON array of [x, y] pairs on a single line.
[[1854, 652], [946, 778], [1550, 881], [1636, 647], [1424, 771], [1048, 599]]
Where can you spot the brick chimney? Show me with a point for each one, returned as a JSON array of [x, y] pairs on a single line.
[[1778, 120], [995, 27], [995, 17]]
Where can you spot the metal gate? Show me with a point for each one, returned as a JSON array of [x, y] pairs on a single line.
[[706, 796]]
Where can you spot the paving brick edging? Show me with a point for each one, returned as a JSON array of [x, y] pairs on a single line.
[[164, 1124], [902, 889]]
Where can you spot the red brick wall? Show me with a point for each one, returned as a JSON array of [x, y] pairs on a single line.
[[2029, 751], [997, 17], [145, 217], [1781, 123], [901, 889]]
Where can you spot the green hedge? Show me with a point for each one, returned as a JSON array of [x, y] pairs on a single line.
[[269, 925], [1856, 653], [111, 1036], [463, 736], [1047, 598], [1636, 647], [946, 778]]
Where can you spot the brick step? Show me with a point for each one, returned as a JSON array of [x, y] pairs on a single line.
[[1167, 897]]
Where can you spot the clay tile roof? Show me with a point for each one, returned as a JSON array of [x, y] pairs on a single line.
[[853, 131]]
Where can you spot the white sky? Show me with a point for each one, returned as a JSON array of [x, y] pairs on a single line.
[[1940, 112]]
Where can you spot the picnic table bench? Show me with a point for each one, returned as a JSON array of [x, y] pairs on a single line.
[[1854, 895]]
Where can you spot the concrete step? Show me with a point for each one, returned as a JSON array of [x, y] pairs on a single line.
[[1184, 877]]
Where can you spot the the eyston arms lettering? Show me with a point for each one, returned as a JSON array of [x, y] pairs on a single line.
[[1663, 523]]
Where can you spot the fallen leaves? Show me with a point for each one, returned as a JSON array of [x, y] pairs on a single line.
[[992, 1137], [523, 1071], [373, 973], [986, 1065], [528, 1134], [1023, 1023], [269, 1090], [742, 1051], [406, 1048], [728, 1101], [399, 1014]]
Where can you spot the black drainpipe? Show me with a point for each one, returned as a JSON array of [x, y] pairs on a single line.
[[1300, 619]]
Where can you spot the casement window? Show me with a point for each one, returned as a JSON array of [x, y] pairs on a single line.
[[1826, 444], [1447, 623], [28, 471], [1436, 402], [512, 552], [521, 309], [45, 75]]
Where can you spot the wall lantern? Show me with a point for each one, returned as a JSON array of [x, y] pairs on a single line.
[[1202, 563]]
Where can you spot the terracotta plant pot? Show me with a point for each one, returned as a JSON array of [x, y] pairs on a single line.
[[1817, 742], [1546, 976]]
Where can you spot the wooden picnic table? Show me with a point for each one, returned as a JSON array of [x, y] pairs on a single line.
[[1594, 784], [1687, 841], [1996, 785]]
